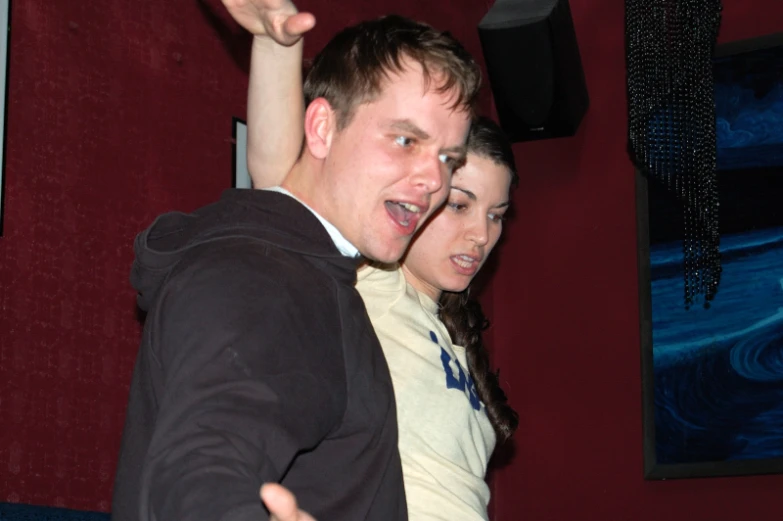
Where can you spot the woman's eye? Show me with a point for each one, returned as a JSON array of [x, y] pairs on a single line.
[[403, 141], [457, 207], [498, 218]]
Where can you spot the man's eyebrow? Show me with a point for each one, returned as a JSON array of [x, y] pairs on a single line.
[[460, 150], [409, 126]]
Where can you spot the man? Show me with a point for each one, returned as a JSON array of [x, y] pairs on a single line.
[[258, 363]]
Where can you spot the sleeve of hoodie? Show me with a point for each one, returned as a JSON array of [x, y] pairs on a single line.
[[249, 382]]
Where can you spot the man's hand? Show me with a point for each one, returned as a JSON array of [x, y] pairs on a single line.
[[282, 504], [277, 19]]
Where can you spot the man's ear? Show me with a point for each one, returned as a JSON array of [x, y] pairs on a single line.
[[319, 127]]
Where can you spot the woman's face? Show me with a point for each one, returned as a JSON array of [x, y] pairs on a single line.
[[451, 248]]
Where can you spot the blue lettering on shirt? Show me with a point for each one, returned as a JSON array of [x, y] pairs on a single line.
[[459, 381]]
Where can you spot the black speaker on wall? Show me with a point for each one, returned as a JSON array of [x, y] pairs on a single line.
[[534, 67]]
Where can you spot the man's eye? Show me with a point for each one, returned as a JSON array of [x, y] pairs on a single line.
[[449, 161], [403, 141]]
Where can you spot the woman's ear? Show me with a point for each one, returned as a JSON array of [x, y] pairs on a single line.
[[319, 126]]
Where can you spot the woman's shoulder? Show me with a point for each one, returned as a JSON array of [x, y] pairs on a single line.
[[380, 287], [380, 276]]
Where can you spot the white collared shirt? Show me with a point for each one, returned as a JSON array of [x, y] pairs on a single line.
[[345, 247]]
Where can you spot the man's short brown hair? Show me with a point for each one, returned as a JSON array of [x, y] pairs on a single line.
[[351, 69]]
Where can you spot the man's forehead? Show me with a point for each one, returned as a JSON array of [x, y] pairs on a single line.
[[411, 72]]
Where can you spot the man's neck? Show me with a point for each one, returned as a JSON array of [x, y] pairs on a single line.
[[303, 185], [302, 182]]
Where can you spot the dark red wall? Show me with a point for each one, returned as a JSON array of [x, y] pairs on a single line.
[[565, 311], [121, 110], [117, 111]]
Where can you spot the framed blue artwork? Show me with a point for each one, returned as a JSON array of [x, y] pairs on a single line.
[[713, 377]]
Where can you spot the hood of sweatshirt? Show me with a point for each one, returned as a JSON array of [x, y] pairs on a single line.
[[271, 217]]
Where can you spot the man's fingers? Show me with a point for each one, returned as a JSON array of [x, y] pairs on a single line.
[[280, 502], [295, 26]]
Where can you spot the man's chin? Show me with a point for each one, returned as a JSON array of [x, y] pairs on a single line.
[[387, 254]]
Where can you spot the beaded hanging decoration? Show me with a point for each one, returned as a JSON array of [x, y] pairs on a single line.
[[669, 48]]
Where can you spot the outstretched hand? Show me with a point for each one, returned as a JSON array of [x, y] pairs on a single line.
[[282, 504], [278, 19]]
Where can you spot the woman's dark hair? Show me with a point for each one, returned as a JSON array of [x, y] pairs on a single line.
[[463, 316], [486, 139]]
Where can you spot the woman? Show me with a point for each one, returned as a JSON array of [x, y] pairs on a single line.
[[450, 408]]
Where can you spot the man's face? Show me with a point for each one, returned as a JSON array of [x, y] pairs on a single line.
[[390, 168]]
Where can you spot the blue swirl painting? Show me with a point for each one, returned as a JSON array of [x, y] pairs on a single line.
[[718, 371]]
